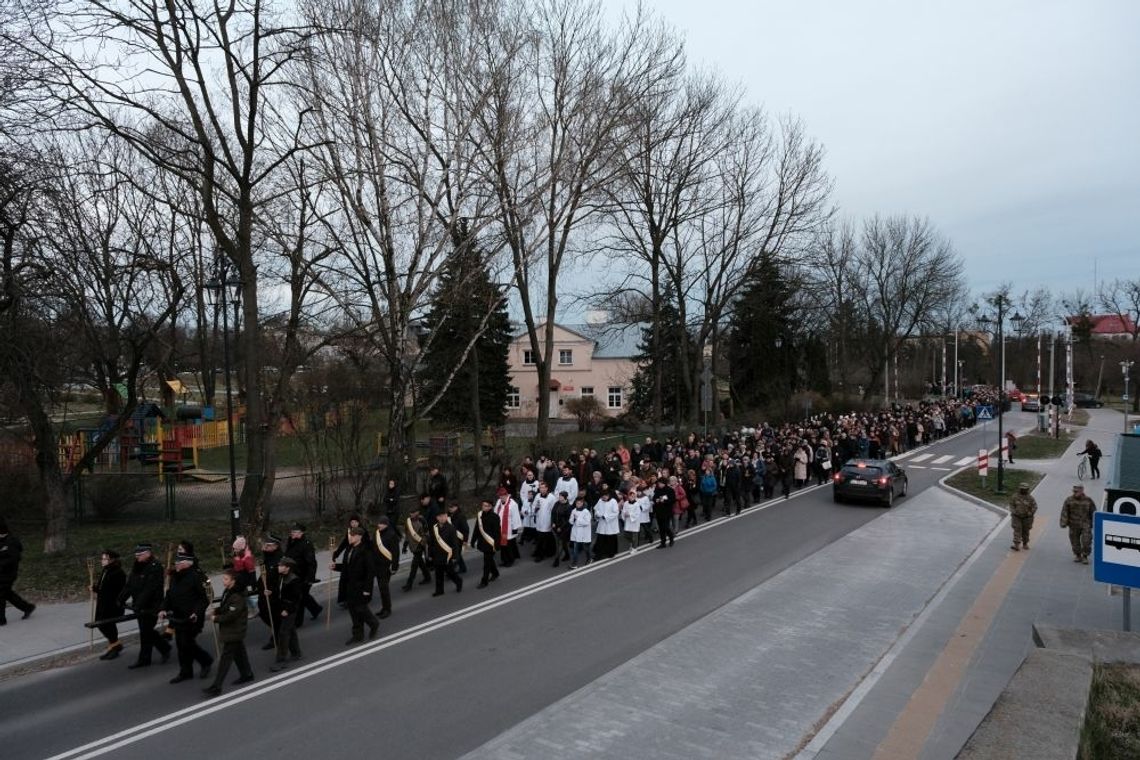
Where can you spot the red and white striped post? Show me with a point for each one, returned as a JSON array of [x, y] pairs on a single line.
[[983, 464]]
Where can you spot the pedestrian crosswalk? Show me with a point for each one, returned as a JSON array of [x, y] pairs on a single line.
[[943, 459], [921, 457], [963, 461]]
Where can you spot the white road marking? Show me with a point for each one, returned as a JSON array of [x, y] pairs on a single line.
[[965, 461], [943, 459], [943, 469], [917, 467], [922, 457], [902, 456]]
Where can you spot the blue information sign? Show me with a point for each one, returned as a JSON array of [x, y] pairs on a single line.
[[985, 413], [1116, 549]]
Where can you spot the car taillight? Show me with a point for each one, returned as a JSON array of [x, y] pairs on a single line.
[[838, 477], [884, 481]]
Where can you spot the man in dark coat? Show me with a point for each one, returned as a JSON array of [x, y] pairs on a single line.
[[232, 621], [437, 490], [290, 595], [462, 532], [358, 569], [485, 538], [144, 590], [185, 608], [107, 590], [10, 552], [415, 539], [443, 545], [301, 550], [267, 586], [387, 546], [664, 497]]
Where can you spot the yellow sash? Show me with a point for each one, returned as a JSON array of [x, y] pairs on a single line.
[[416, 537], [382, 549], [442, 544], [483, 531]]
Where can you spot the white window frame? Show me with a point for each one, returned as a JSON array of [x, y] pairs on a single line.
[[514, 398], [587, 391], [565, 357], [612, 392], [528, 357]]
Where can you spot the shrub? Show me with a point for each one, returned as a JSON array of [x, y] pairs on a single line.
[[110, 495], [587, 410]]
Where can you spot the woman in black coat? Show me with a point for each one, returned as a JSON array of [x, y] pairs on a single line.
[[111, 581]]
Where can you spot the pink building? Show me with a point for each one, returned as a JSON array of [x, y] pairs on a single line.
[[588, 360]]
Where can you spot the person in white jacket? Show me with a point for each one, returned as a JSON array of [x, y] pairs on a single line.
[[645, 499], [568, 484], [580, 523], [507, 510], [544, 546], [607, 513], [631, 519], [528, 492]]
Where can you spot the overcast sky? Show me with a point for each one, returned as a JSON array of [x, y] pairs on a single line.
[[1013, 125]]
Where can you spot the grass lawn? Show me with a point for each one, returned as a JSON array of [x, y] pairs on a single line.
[[1112, 722], [63, 577], [1079, 417], [1042, 446], [969, 482]]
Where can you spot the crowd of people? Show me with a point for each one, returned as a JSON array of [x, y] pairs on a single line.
[[576, 509]]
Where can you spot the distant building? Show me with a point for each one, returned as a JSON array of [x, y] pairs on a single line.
[[1113, 326], [587, 360]]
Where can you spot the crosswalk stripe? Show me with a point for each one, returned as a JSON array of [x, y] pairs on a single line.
[[918, 467], [897, 457], [943, 459], [963, 461], [922, 457]]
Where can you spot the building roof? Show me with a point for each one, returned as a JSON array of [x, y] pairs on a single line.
[[611, 341], [1106, 324]]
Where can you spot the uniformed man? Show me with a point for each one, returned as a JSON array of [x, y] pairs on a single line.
[[415, 538], [387, 561], [359, 569], [462, 531], [301, 550], [1022, 508], [10, 552], [485, 538], [1077, 516], [143, 594], [185, 609], [269, 586], [290, 598], [442, 548], [232, 621]]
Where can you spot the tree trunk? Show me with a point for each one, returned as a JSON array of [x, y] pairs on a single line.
[[476, 414]]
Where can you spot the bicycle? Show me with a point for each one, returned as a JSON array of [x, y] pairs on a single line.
[[1082, 466]]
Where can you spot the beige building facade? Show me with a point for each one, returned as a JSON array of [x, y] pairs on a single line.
[[588, 360]]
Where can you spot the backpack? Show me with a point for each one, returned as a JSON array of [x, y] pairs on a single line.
[[708, 483]]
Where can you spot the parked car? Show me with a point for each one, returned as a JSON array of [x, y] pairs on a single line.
[[1087, 401], [1015, 395], [874, 479]]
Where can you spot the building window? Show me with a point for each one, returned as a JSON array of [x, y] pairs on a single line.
[[587, 390], [613, 400], [514, 399], [528, 356], [565, 356]]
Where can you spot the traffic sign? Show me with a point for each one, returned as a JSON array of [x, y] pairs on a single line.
[[1116, 549], [985, 413]]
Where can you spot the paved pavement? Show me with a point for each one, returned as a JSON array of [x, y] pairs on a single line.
[[800, 627]]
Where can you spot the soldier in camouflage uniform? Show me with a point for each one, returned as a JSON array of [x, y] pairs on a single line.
[[1077, 516], [1022, 507]]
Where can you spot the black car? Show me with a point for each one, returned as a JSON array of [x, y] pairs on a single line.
[[1087, 401], [873, 479]]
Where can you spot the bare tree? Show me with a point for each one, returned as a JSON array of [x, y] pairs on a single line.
[[564, 90], [1121, 298], [904, 270], [195, 89]]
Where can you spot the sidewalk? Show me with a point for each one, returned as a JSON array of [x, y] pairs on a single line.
[[938, 686]]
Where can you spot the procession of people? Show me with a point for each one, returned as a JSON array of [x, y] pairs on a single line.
[[569, 510]]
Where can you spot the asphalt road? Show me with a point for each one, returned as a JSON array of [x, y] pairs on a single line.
[[448, 673]]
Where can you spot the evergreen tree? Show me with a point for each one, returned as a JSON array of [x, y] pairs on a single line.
[[463, 297], [674, 403], [762, 373]]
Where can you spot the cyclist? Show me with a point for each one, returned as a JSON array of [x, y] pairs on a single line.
[[1094, 454]]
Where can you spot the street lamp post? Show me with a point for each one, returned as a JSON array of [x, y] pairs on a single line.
[[1125, 366], [223, 289], [1000, 302]]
